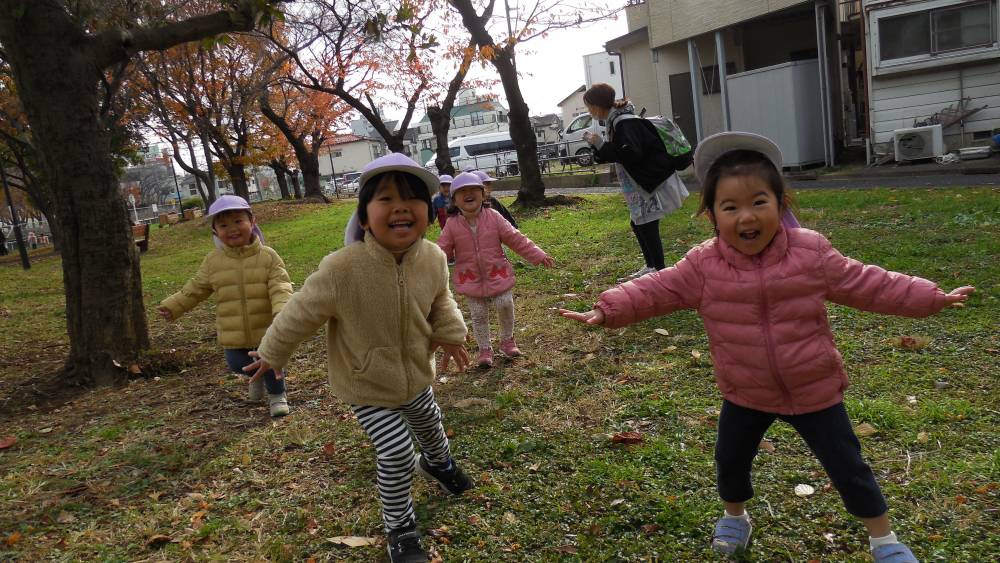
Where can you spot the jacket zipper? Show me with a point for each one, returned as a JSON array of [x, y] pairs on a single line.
[[243, 302], [772, 362], [401, 279], [479, 263]]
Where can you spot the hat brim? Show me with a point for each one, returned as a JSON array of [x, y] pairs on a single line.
[[713, 147], [429, 178]]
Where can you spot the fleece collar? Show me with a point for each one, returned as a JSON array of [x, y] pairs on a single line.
[[382, 254], [243, 251]]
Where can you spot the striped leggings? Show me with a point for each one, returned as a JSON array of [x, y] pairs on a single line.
[[389, 430], [479, 309]]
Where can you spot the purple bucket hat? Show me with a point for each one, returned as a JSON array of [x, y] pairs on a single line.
[[230, 203], [465, 180], [483, 176], [399, 162], [445, 178]]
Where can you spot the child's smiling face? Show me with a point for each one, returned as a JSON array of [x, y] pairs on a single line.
[[444, 189], [746, 213], [234, 228], [468, 199], [395, 222]]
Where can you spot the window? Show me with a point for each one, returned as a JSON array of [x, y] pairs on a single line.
[[338, 154], [710, 83], [611, 64], [579, 123], [426, 143], [502, 117], [949, 29], [477, 118]]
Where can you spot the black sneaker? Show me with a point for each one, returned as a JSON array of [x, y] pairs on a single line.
[[404, 545], [453, 480]]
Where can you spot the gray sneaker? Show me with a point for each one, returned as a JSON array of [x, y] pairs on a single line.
[[278, 404], [255, 390], [637, 274]]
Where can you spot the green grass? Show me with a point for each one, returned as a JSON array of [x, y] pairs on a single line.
[[97, 475]]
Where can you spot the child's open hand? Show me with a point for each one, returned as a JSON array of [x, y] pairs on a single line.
[[548, 262], [959, 295], [449, 351], [165, 313], [260, 367], [591, 317]]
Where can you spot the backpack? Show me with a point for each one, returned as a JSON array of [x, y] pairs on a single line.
[[673, 138]]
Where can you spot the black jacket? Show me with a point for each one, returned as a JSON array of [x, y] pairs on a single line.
[[635, 144]]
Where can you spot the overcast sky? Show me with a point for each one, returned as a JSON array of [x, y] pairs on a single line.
[[554, 68]]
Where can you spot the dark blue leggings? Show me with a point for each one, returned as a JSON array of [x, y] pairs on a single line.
[[829, 435], [237, 358]]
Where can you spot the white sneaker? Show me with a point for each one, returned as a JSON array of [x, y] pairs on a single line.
[[278, 404], [637, 274], [255, 390]]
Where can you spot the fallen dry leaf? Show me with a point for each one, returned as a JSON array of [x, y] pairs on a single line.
[[568, 549], [922, 437], [661, 331], [450, 433], [911, 342], [649, 529], [695, 357], [65, 517], [864, 429], [13, 539], [767, 446], [627, 438], [329, 449], [46, 430], [198, 519], [617, 501], [472, 402], [475, 520], [509, 518], [7, 441], [352, 541], [158, 541], [533, 468]]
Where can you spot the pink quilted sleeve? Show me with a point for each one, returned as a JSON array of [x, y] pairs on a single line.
[[655, 294], [446, 241], [871, 288]]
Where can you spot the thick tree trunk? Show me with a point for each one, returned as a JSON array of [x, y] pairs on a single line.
[[209, 170], [440, 118], [532, 190], [57, 84], [279, 173], [309, 165], [295, 184], [238, 176]]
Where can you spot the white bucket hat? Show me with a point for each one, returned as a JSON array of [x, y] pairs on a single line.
[[715, 146]]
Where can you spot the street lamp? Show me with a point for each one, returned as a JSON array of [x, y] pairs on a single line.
[[166, 160]]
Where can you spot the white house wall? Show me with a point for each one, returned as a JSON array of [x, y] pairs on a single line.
[[897, 101], [640, 84], [353, 157], [573, 106], [676, 20]]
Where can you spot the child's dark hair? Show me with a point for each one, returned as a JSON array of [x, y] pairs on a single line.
[[603, 96], [409, 185], [742, 163]]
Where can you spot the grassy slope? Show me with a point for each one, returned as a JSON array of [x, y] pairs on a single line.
[[184, 457]]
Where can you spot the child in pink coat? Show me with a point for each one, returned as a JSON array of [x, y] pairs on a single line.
[[761, 290], [482, 273]]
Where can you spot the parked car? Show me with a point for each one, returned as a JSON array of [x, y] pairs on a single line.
[[345, 185], [572, 135]]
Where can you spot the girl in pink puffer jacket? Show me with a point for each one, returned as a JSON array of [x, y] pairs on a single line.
[[761, 290], [482, 272]]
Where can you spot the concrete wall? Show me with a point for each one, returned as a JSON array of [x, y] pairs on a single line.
[[676, 20], [896, 100], [641, 85]]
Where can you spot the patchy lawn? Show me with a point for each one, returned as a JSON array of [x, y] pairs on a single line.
[[178, 466]]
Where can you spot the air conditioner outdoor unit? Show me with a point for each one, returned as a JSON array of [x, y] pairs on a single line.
[[918, 142]]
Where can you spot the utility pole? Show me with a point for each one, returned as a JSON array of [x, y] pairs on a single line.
[[25, 263], [166, 160], [510, 33]]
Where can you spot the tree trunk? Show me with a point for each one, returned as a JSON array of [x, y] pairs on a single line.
[[57, 84], [309, 165], [532, 190], [238, 175], [199, 177], [440, 118], [208, 170], [295, 184], [279, 173]]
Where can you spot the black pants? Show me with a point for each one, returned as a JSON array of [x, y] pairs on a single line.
[[648, 235], [829, 435], [237, 359]]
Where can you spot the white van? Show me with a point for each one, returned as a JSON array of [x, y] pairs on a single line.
[[487, 151], [572, 138]]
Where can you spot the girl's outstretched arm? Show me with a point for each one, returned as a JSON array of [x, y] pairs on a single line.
[[196, 290], [591, 317]]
